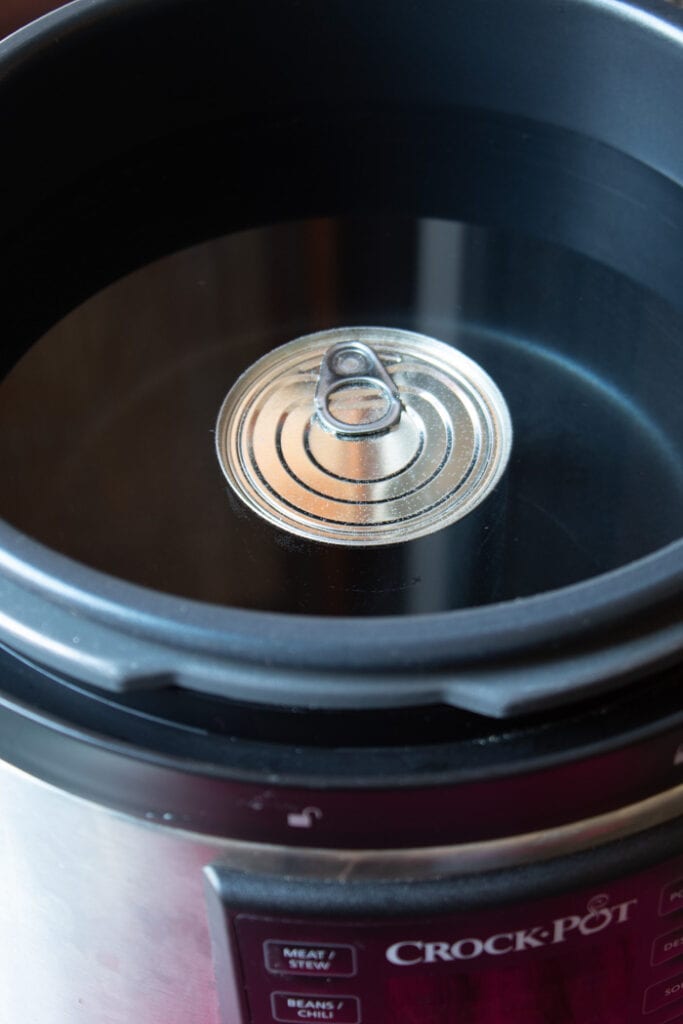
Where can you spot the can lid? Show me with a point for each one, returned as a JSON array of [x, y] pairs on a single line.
[[363, 436]]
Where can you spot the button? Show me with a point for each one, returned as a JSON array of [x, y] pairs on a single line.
[[310, 959], [663, 993], [671, 898], [668, 946], [294, 1007]]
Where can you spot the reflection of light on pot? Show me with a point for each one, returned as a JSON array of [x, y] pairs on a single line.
[[363, 436]]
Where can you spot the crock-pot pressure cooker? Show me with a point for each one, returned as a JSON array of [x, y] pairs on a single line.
[[341, 430]]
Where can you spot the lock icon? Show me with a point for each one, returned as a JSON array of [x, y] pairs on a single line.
[[304, 819]]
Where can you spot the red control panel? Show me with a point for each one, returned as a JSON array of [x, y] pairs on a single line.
[[612, 954]]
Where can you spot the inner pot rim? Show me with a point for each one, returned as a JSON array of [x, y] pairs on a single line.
[[504, 659]]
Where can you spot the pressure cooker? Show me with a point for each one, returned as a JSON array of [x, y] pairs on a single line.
[[342, 485]]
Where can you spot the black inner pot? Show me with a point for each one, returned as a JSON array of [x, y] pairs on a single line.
[[549, 257], [495, 175]]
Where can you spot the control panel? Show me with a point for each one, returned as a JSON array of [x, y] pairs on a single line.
[[609, 955]]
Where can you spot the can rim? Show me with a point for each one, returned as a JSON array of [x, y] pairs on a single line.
[[245, 447]]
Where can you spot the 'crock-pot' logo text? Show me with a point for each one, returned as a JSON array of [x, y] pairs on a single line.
[[600, 915]]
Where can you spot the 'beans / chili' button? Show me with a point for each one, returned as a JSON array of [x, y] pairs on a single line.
[[295, 1007], [326, 961]]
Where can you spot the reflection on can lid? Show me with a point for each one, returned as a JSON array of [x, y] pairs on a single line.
[[363, 436]]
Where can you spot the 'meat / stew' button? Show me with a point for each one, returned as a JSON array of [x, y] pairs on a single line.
[[311, 959]]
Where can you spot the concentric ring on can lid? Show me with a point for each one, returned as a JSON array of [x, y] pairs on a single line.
[[363, 436]]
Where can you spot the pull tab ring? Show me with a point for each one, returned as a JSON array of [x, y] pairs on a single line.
[[351, 364]]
